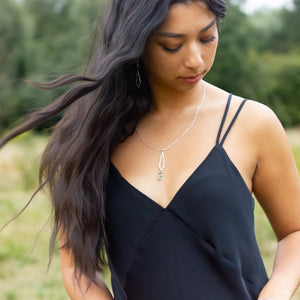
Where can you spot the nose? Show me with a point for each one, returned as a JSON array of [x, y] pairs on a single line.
[[193, 58]]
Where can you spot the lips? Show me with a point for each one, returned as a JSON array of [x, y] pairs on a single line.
[[192, 79]]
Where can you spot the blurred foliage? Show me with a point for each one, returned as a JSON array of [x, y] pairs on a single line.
[[258, 56], [40, 40]]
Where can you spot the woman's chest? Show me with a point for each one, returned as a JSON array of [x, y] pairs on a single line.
[[140, 166]]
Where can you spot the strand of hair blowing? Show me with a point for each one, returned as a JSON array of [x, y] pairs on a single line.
[[102, 110]]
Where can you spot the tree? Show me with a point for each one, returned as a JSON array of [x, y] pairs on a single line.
[[40, 40], [234, 70]]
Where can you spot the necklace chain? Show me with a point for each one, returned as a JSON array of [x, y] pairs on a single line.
[[161, 164]]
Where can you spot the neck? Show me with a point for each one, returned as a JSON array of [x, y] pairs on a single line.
[[167, 102]]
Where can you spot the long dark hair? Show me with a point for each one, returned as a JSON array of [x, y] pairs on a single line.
[[103, 109]]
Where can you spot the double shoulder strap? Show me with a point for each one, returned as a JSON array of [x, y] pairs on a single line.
[[232, 122]]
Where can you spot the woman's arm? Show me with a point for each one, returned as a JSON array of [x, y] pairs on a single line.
[[285, 275], [79, 291], [276, 185]]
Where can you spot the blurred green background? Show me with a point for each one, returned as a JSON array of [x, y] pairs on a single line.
[[258, 58]]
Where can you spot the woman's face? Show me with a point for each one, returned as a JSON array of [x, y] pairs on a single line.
[[184, 46]]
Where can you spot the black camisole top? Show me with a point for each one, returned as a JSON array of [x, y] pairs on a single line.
[[202, 246]]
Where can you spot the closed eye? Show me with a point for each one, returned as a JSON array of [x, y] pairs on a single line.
[[171, 50], [206, 41]]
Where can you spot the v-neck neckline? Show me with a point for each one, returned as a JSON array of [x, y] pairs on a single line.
[[189, 178], [218, 145]]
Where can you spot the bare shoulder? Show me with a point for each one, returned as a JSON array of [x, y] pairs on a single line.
[[257, 122], [276, 182], [261, 114], [263, 123], [254, 115]]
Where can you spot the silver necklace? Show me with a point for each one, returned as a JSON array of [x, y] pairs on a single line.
[[162, 162]]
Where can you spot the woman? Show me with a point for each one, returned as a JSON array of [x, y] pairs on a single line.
[[157, 166]]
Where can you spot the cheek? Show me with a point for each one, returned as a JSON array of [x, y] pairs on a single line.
[[148, 59], [157, 63], [214, 49], [210, 53]]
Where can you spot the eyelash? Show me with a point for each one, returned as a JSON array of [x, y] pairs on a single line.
[[203, 41]]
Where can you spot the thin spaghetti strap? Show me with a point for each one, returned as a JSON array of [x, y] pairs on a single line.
[[232, 122], [223, 119]]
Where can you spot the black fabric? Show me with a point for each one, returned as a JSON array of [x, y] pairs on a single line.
[[202, 246]]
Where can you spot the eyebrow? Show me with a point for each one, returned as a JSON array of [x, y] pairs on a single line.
[[180, 35]]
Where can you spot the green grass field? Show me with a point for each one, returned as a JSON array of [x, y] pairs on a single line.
[[24, 242]]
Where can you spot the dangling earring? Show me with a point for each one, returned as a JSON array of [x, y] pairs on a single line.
[[138, 79]]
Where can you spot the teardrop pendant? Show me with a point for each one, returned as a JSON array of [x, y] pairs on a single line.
[[161, 166], [138, 79]]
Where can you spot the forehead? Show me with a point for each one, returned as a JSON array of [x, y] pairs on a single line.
[[181, 17]]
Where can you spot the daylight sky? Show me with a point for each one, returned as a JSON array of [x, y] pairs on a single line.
[[252, 5]]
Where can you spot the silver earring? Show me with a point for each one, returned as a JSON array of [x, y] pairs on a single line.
[[138, 79]]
